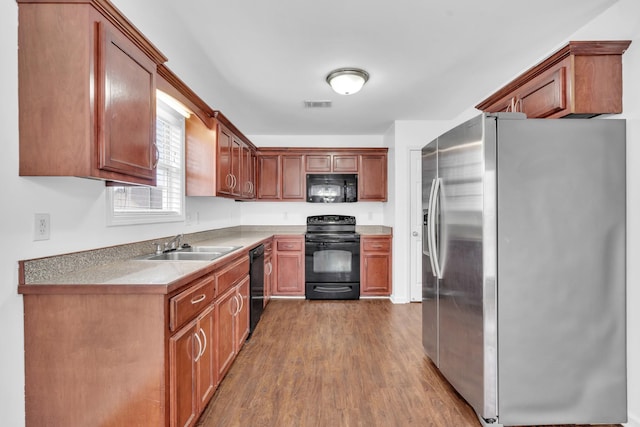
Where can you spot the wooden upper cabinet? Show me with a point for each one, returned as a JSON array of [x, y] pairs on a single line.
[[200, 153], [87, 81], [126, 106], [235, 161], [248, 172], [293, 178], [583, 79], [344, 163], [339, 163], [269, 178], [282, 171], [224, 161], [372, 179], [280, 176], [318, 163]]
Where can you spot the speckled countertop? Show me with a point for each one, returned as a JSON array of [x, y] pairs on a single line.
[[114, 268]]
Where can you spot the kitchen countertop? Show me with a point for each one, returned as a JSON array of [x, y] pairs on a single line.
[[116, 269]]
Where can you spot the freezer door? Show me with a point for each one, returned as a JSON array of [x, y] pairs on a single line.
[[462, 311], [429, 280], [561, 272]]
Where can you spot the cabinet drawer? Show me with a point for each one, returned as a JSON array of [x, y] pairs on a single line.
[[376, 245], [186, 305], [231, 274], [289, 245]]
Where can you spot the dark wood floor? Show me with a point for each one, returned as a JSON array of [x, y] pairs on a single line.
[[336, 363]]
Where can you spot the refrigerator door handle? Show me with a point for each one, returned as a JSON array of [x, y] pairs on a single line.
[[432, 228], [427, 234]]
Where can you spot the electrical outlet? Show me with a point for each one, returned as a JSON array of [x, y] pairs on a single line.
[[41, 226]]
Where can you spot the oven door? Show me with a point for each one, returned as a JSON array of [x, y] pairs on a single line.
[[332, 260]]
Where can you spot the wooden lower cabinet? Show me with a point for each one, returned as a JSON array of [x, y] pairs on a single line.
[[289, 266], [193, 375], [375, 266], [115, 356], [242, 316], [232, 324], [268, 271]]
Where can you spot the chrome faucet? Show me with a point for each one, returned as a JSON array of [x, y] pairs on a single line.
[[168, 246], [173, 244]]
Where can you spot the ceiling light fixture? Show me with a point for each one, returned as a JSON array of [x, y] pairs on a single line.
[[347, 81]]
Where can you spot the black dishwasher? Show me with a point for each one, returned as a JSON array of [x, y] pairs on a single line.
[[256, 273]]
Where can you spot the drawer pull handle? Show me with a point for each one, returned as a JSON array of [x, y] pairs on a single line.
[[198, 299]]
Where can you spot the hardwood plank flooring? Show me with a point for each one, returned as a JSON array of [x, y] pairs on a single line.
[[336, 363]]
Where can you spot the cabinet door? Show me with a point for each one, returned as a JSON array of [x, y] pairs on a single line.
[[242, 316], [345, 163], [126, 107], [206, 366], [372, 180], [375, 268], [236, 165], [289, 266], [183, 349], [226, 308], [269, 177], [376, 273], [200, 152], [318, 163], [224, 179], [247, 186], [545, 95], [293, 177]]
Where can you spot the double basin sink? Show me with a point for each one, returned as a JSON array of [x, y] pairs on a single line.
[[192, 253]]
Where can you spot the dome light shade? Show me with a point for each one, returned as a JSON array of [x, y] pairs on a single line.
[[347, 81]]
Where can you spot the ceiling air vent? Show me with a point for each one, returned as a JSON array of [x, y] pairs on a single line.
[[317, 104]]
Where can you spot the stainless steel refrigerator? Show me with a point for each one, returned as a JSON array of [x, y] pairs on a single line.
[[524, 267]]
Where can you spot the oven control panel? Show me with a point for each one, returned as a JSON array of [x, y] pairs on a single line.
[[331, 219]]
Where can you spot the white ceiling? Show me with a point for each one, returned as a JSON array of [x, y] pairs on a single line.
[[428, 60]]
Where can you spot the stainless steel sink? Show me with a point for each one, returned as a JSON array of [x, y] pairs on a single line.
[[221, 249], [185, 256], [193, 253]]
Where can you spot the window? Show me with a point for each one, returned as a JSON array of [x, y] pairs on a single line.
[[165, 202]]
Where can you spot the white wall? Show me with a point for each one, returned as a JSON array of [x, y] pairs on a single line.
[[404, 136]]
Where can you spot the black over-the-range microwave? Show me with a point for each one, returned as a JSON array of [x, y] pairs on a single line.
[[332, 188]]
